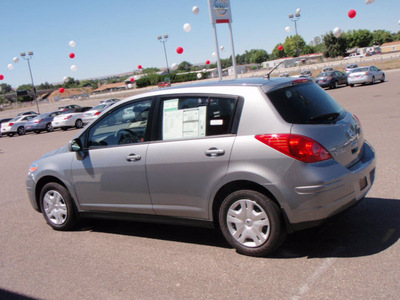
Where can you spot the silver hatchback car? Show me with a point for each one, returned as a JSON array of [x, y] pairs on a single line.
[[257, 158]]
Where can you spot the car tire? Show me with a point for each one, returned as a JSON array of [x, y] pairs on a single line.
[[10, 134], [383, 78], [57, 207], [373, 80], [351, 85], [37, 131], [21, 130], [64, 128], [335, 85], [78, 124], [251, 223], [49, 128]]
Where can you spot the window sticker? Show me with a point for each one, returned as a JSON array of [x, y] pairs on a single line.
[[183, 123], [170, 105], [216, 122]]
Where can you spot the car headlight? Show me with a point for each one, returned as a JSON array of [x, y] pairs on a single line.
[[32, 168]]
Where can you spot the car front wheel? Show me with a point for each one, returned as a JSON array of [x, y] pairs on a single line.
[[57, 206], [251, 222], [21, 130], [78, 124]]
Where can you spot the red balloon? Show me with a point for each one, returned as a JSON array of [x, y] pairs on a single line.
[[280, 47], [352, 13], [1, 76], [132, 79], [71, 55], [61, 90], [179, 50], [140, 67], [208, 62]]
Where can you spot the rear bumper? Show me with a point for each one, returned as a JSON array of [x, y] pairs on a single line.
[[359, 80], [321, 190]]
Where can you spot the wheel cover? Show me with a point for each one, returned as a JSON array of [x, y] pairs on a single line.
[[248, 223], [55, 207]]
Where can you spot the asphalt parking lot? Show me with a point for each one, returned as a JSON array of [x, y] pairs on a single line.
[[355, 255]]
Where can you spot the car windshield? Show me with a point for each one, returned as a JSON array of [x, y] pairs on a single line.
[[352, 66], [305, 104], [325, 74]]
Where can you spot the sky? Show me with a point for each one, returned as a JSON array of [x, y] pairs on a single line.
[[114, 37]]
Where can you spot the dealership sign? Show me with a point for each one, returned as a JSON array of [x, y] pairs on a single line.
[[220, 11]]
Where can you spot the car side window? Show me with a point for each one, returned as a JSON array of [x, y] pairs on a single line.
[[187, 117], [125, 125]]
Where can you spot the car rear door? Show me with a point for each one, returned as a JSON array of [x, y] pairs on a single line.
[[191, 155]]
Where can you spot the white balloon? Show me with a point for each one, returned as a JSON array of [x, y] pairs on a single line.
[[369, 1], [187, 27], [195, 10], [287, 28], [198, 75], [10, 66], [214, 54], [15, 59], [399, 22], [74, 68], [337, 32], [129, 86], [298, 11], [72, 44], [204, 70], [222, 48], [174, 66], [66, 79]]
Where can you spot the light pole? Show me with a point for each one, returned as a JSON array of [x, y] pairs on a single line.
[[27, 58], [294, 19], [163, 39]]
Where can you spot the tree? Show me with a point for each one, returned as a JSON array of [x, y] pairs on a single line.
[[293, 45], [45, 86], [359, 38], [335, 46], [258, 56], [5, 88], [382, 36], [185, 66], [26, 87], [278, 54]]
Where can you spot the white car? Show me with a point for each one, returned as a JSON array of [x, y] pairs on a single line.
[[68, 120], [367, 74], [15, 125]]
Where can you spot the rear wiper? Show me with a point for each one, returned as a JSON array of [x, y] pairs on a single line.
[[326, 117]]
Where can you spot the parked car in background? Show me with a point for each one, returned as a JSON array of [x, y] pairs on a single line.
[[284, 75], [331, 79], [27, 113], [328, 69], [41, 122], [354, 55], [4, 120], [363, 75], [164, 84], [350, 68], [95, 112], [257, 158], [71, 108], [306, 73], [69, 119], [113, 100], [16, 125]]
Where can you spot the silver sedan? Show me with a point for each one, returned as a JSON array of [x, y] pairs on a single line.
[[363, 75]]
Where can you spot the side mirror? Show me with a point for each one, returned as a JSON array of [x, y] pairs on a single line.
[[75, 145]]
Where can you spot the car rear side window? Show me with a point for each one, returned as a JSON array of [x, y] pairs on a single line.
[[186, 117], [305, 104]]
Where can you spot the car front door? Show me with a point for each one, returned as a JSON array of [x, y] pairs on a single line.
[[112, 176], [191, 155]]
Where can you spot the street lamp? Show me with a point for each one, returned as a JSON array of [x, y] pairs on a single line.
[[27, 58], [163, 39], [294, 19]]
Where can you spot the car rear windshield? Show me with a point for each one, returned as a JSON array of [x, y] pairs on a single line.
[[305, 103]]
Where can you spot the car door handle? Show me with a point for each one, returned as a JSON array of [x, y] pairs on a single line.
[[212, 152], [133, 157]]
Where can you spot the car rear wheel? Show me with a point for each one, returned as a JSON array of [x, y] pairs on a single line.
[[351, 85], [251, 222], [21, 130], [373, 80], [78, 124], [334, 85], [64, 128], [57, 207], [383, 78], [37, 131]]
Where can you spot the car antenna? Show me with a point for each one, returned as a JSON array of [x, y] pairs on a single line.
[[268, 75]]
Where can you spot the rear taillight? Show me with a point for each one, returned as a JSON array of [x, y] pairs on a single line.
[[97, 113], [10, 124], [39, 121], [299, 147], [67, 117]]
